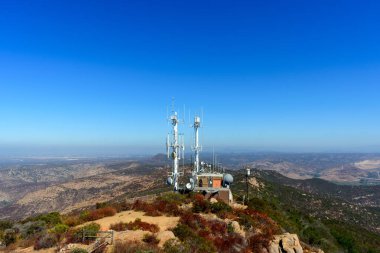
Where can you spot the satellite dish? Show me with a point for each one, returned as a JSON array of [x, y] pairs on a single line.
[[189, 186], [228, 179], [169, 181]]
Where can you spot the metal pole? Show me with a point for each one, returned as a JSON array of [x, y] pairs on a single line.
[[246, 184], [247, 173]]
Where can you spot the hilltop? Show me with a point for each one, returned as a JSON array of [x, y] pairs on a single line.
[[168, 223]]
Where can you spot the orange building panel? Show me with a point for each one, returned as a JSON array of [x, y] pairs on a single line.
[[216, 182]]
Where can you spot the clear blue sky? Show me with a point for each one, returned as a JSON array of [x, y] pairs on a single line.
[[270, 75]]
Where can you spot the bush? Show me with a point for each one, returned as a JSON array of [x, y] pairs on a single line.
[[100, 213], [173, 198], [51, 219], [200, 204], [45, 241], [230, 228], [76, 235], [72, 221], [312, 236], [26, 243], [135, 225], [31, 228], [183, 232], [194, 221], [84, 215], [157, 208], [258, 242], [10, 236], [79, 250], [174, 246], [219, 207], [245, 221], [60, 229], [120, 226], [91, 229], [4, 224], [134, 247], [231, 243], [199, 244], [150, 239], [100, 205]]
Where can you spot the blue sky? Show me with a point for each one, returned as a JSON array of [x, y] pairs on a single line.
[[86, 76]]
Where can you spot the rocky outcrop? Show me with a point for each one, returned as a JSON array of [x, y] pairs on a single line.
[[164, 236], [285, 243]]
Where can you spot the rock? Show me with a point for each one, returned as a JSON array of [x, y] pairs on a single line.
[[237, 228], [213, 200], [288, 243], [238, 206], [164, 236]]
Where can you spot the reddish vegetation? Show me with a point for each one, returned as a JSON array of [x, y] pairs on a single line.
[[72, 221], [136, 225], [101, 213], [228, 242], [258, 226], [157, 208]]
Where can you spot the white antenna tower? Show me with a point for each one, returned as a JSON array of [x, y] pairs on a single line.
[[175, 149], [196, 148]]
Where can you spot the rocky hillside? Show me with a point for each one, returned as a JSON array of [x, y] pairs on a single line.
[[29, 191], [170, 223], [336, 218]]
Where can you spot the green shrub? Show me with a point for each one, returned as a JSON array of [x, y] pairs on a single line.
[[31, 228], [76, 235], [230, 228], [10, 236], [51, 219], [151, 239], [183, 232], [100, 205], [245, 221], [312, 235], [84, 215], [91, 229], [134, 247], [173, 197], [79, 250], [45, 241], [219, 207], [192, 240], [60, 229], [4, 224], [174, 246]]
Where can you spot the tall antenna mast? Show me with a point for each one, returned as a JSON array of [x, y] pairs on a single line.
[[196, 148], [175, 149]]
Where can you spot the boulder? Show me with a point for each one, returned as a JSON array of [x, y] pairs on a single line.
[[164, 236], [213, 200], [288, 243], [237, 228]]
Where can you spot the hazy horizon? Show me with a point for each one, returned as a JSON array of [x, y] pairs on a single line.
[[128, 151]]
